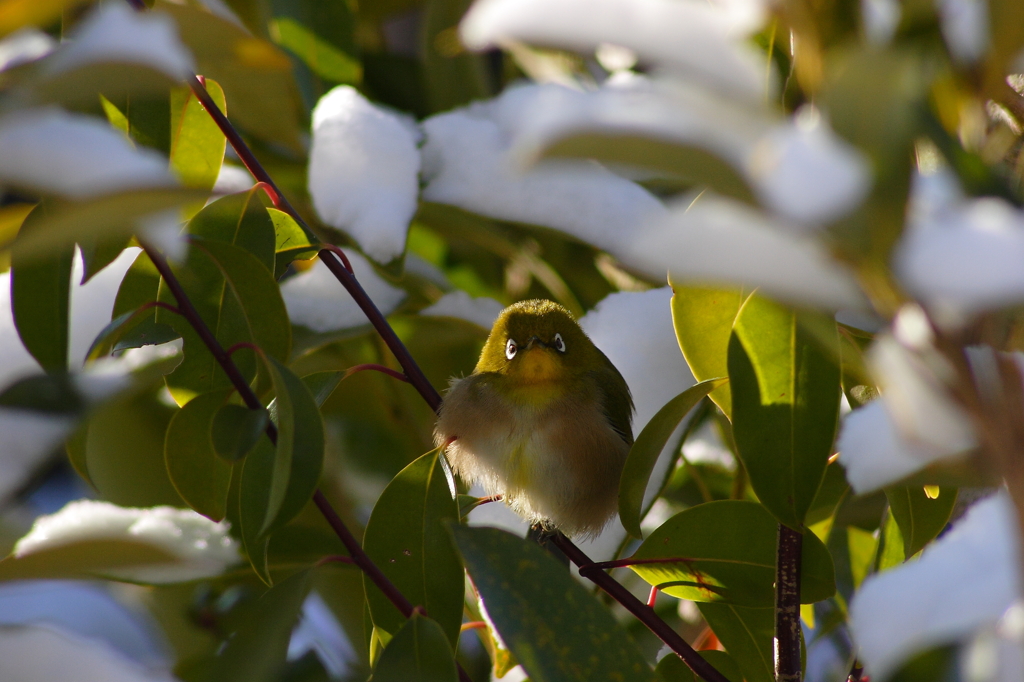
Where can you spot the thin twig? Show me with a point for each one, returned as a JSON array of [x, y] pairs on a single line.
[[787, 605], [376, 368], [643, 613]]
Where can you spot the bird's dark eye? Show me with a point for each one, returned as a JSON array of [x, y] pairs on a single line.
[[559, 344], [510, 349]]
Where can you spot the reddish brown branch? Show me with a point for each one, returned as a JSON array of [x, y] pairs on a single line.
[[788, 667], [244, 344], [623, 563], [376, 368]]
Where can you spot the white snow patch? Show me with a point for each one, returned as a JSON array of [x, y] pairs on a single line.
[[697, 39], [232, 179], [24, 45], [37, 653], [965, 28], [316, 300], [204, 548], [965, 580], [713, 240], [363, 171], [114, 32], [467, 163], [482, 311], [51, 150]]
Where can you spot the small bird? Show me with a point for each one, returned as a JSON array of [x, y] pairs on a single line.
[[544, 421]]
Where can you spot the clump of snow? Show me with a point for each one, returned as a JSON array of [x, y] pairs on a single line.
[[23, 46], [804, 172], [467, 162], [29, 438], [698, 39], [363, 171], [316, 300], [965, 580], [963, 258], [203, 548], [114, 32], [720, 241], [965, 28], [232, 179], [78, 156], [38, 653], [482, 311]]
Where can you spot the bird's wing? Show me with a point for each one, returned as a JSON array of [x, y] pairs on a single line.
[[616, 400]]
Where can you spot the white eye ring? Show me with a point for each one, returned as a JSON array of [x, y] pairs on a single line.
[[559, 343], [510, 349]]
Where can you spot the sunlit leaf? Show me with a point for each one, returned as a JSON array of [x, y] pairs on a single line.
[[920, 517], [785, 407], [648, 446], [725, 551], [293, 242], [197, 144]]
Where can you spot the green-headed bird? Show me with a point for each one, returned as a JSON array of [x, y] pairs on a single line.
[[544, 421]]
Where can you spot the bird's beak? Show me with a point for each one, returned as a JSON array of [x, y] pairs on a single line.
[[534, 340]]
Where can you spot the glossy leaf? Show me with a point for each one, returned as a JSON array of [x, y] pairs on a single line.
[[139, 286], [726, 552], [255, 74], [703, 320], [322, 35], [299, 454], [648, 446], [685, 163], [258, 650], [236, 429], [889, 553], [920, 518], [255, 480], [418, 651], [785, 407], [98, 254], [747, 634], [197, 144], [672, 669], [293, 242], [241, 219], [556, 628], [198, 474], [40, 296], [133, 329], [145, 118], [407, 538]]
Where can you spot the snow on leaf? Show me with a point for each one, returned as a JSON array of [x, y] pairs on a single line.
[[698, 39], [23, 46], [804, 172], [481, 311], [316, 300], [41, 653], [965, 28], [363, 167], [77, 156], [467, 163], [203, 548], [966, 580], [963, 258], [720, 241], [114, 32]]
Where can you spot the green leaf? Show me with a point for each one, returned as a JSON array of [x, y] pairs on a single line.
[[322, 384], [417, 652], [406, 537], [40, 295], [236, 429], [198, 474], [726, 552], [452, 75], [703, 318], [785, 407], [920, 518], [689, 164], [124, 452], [64, 222], [258, 293], [299, 455], [556, 628], [257, 474], [99, 253], [747, 634], [139, 286], [83, 559], [258, 650], [889, 553], [133, 329], [293, 242], [241, 219], [116, 80], [256, 76], [648, 446], [322, 35], [197, 144], [144, 118]]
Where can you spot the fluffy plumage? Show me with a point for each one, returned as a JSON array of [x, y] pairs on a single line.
[[544, 420]]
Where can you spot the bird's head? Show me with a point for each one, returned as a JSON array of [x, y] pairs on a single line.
[[536, 342]]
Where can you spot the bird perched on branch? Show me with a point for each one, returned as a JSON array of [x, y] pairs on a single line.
[[544, 421]]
